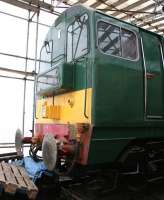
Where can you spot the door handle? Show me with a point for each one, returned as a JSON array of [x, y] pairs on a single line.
[[150, 75]]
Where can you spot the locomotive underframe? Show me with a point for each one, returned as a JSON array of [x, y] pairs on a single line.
[[142, 157]]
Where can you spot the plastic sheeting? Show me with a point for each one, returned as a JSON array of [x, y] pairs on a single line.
[[34, 169]]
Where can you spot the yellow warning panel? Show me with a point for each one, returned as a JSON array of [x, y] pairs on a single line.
[[70, 107]]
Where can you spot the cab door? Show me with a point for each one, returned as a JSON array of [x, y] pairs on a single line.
[[117, 73], [153, 76]]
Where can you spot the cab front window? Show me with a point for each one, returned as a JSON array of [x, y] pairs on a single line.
[[77, 38]]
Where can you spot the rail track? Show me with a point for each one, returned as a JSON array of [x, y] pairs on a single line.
[[95, 189], [99, 191], [148, 194]]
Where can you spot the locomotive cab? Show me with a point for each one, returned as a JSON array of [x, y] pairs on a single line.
[[63, 92], [99, 93]]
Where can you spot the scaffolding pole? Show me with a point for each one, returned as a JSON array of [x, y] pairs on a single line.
[[23, 57], [16, 78], [36, 7], [35, 70], [25, 81], [26, 58], [22, 18]]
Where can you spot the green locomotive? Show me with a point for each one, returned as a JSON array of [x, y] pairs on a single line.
[[100, 96]]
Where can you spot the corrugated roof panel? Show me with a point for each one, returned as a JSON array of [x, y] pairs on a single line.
[[101, 6], [89, 3], [118, 3]]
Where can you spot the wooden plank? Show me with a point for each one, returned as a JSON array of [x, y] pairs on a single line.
[[23, 172], [10, 188], [18, 177], [27, 180], [32, 190], [8, 173], [14, 178], [2, 180], [11, 183], [30, 184], [2, 177], [21, 183], [15, 171]]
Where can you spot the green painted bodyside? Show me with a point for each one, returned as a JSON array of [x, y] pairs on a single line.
[[119, 111], [63, 76], [123, 80], [119, 97], [154, 64], [108, 143]]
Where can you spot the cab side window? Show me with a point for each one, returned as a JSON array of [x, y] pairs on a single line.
[[117, 41], [129, 44], [109, 38]]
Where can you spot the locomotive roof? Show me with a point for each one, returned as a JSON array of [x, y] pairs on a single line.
[[59, 19]]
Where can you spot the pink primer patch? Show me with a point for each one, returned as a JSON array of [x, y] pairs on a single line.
[[57, 130]]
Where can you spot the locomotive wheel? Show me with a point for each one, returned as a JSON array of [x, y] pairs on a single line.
[[49, 151]]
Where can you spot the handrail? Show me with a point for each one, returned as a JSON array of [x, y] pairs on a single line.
[[85, 97], [58, 57]]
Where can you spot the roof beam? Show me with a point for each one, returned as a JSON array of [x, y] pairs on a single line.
[[145, 17], [109, 7], [96, 4], [153, 27], [81, 1], [159, 31], [34, 8], [158, 26], [130, 15], [151, 21], [139, 10], [119, 2], [32, 5], [99, 2], [134, 5], [21, 5], [41, 4]]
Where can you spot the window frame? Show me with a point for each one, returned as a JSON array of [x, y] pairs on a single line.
[[88, 39], [120, 27], [42, 75]]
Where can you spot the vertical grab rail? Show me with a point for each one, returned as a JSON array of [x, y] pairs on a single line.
[[161, 49], [85, 96], [145, 78]]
